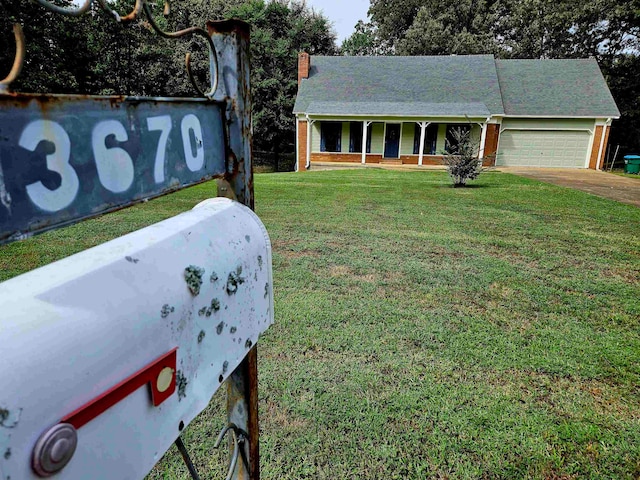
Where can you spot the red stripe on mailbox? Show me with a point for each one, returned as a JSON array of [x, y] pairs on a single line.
[[148, 374]]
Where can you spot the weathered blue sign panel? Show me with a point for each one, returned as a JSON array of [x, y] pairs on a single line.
[[65, 158]]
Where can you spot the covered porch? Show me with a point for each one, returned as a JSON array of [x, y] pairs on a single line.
[[395, 140]]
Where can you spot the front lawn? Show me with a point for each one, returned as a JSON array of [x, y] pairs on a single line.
[[428, 332]]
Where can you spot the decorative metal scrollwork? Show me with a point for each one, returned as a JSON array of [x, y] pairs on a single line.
[[18, 61], [140, 6]]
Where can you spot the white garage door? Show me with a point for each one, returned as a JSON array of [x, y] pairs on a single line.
[[541, 148]]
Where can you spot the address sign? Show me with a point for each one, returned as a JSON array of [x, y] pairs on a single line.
[[65, 158]]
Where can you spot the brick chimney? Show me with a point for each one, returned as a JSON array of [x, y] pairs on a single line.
[[304, 64]]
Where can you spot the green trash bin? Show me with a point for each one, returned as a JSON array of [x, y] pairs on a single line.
[[632, 164]]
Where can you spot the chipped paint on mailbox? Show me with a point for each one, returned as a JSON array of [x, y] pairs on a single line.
[[76, 328]]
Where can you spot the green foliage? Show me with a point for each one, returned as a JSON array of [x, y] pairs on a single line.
[[440, 29], [364, 41], [461, 158], [510, 28]]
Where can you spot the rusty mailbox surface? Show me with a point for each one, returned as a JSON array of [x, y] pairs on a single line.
[[110, 353]]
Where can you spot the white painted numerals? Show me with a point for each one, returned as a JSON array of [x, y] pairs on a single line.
[[193, 153], [115, 167], [163, 125], [58, 161]]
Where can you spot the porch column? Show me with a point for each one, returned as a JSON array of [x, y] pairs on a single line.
[[483, 140], [297, 144], [365, 125], [309, 124], [423, 132]]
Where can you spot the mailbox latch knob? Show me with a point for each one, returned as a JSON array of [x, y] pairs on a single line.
[[54, 449]]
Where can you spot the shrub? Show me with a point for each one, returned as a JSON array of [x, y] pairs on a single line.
[[461, 158]]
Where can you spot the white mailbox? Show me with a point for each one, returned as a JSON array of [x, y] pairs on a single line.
[[108, 354]]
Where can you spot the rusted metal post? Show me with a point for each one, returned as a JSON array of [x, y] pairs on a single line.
[[231, 39]]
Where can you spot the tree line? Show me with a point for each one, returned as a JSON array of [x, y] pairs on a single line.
[[608, 30], [94, 54]]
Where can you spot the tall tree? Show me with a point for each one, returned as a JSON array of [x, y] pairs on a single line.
[[365, 40], [393, 18], [441, 28]]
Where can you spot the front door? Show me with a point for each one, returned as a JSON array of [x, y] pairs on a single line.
[[392, 140]]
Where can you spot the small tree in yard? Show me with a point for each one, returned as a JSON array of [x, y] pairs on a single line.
[[461, 157]]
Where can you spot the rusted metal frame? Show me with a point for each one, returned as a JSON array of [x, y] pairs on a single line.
[[231, 39], [213, 58], [73, 12], [18, 60], [135, 13]]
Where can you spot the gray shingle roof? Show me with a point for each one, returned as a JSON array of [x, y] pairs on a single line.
[[555, 87], [436, 83], [473, 85]]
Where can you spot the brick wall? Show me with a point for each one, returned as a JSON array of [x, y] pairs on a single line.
[[491, 144], [304, 64], [336, 157], [371, 158], [302, 145], [604, 147], [595, 149]]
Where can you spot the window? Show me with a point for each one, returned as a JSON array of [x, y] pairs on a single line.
[[430, 139], [355, 137], [451, 142], [331, 136]]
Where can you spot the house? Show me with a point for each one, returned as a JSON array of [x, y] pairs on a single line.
[[402, 110]]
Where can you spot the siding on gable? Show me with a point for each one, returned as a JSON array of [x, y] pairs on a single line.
[[548, 123], [476, 133], [377, 137], [406, 142], [344, 144], [442, 135], [315, 137]]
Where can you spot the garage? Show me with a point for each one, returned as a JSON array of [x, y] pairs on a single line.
[[540, 148]]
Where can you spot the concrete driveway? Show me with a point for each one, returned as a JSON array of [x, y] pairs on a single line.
[[606, 185]]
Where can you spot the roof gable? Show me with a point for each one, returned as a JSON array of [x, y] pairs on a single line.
[[570, 87], [434, 82]]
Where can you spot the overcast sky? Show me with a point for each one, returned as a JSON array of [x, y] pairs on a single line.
[[344, 14]]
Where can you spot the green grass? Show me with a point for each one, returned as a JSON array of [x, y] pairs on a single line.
[[627, 175], [428, 332]]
